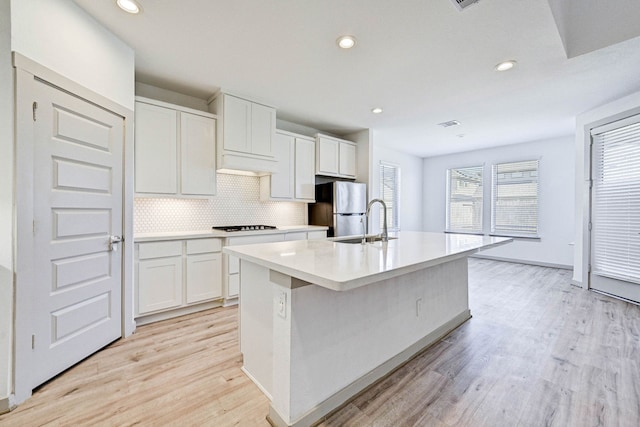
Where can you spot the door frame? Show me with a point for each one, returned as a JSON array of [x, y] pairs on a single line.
[[26, 71], [587, 187]]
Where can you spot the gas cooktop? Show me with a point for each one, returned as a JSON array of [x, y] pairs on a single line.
[[230, 228]]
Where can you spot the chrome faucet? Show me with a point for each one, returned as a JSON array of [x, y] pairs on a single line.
[[385, 233]]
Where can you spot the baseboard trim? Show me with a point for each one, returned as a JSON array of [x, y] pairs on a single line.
[[344, 396], [520, 261], [262, 389], [156, 317], [7, 404]]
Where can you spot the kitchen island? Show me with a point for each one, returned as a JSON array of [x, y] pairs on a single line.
[[321, 320]]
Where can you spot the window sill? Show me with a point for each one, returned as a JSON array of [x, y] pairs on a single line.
[[474, 233], [526, 238]]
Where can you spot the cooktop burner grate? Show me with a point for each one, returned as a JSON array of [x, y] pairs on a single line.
[[230, 228]]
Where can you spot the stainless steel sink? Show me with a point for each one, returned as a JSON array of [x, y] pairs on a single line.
[[370, 239]]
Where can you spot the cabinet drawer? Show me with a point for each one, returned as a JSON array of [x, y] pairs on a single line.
[[298, 235], [202, 246], [159, 249], [317, 235], [248, 240]]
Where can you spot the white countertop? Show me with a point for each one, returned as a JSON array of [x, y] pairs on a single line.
[[200, 234], [342, 266]]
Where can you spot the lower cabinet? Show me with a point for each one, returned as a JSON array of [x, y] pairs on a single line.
[[175, 274], [231, 269]]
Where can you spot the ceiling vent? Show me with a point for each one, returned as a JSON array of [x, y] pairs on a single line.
[[462, 4], [449, 123]]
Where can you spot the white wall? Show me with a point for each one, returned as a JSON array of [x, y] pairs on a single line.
[[160, 94], [556, 195], [616, 110], [411, 183], [64, 38], [6, 204]]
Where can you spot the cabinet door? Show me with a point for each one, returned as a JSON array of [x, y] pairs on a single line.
[[305, 178], [263, 128], [282, 179], [156, 145], [233, 286], [159, 284], [327, 160], [198, 150], [204, 277], [347, 159], [236, 128]]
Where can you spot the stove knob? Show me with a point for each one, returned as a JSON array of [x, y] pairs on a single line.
[[262, 227], [243, 228]]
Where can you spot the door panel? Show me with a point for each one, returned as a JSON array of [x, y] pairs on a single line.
[[615, 207], [77, 208]]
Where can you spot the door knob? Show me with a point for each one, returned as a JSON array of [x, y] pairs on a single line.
[[113, 242]]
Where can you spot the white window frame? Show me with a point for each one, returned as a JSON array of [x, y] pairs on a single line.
[[511, 229], [452, 229], [393, 200]]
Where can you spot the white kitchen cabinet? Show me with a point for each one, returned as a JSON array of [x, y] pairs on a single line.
[[159, 276], [156, 149], [203, 281], [347, 157], [198, 149], [231, 264], [294, 178], [174, 150], [280, 184], [305, 179], [327, 156], [245, 134], [296, 235], [173, 275], [203, 276], [335, 157]]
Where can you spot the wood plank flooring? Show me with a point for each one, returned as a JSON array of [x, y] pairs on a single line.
[[537, 352]]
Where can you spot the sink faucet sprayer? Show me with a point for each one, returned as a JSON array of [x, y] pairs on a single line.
[[385, 234]]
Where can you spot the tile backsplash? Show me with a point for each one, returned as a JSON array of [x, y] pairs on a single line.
[[237, 202]]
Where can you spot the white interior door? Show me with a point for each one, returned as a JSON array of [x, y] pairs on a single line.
[[615, 209], [77, 210]]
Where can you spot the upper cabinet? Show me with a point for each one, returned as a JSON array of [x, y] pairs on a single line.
[[174, 150], [246, 134], [294, 177], [335, 157]]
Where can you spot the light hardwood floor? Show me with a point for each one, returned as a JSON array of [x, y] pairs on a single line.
[[537, 352]]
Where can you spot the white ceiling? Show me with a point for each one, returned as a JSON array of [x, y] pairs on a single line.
[[423, 61]]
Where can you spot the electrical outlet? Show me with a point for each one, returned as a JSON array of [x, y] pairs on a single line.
[[418, 306], [282, 305]]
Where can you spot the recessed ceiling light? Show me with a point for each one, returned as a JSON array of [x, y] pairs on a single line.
[[129, 6], [505, 65], [346, 42], [376, 110]]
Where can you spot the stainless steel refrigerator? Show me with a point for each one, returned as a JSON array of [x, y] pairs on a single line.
[[341, 206]]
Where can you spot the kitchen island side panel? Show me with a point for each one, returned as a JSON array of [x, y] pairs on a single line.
[[330, 339]]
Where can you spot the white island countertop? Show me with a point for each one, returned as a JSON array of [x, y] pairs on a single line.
[[343, 266]]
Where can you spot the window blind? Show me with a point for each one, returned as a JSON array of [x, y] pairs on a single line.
[[464, 199], [615, 234], [390, 193], [514, 200]]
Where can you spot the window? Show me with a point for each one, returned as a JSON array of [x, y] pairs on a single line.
[[464, 200], [390, 193], [514, 201]]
